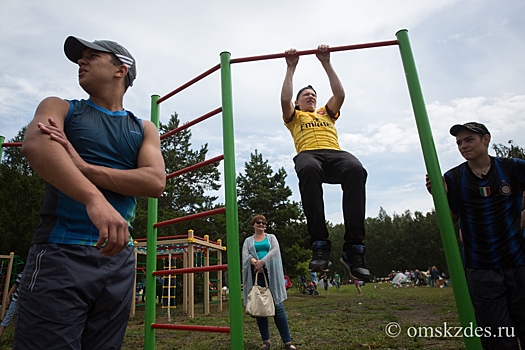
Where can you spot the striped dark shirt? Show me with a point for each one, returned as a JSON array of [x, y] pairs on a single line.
[[489, 211]]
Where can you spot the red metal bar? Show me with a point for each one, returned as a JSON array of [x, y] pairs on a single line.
[[272, 56], [184, 327], [310, 52], [12, 144], [189, 83], [195, 166], [191, 217], [191, 123], [191, 270]]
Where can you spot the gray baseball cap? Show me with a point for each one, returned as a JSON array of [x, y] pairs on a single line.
[[74, 47]]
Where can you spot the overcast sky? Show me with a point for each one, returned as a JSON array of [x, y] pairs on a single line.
[[469, 55]]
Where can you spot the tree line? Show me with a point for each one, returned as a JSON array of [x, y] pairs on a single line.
[[394, 242]]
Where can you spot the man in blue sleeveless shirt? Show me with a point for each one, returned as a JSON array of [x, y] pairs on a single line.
[[95, 158], [485, 195]]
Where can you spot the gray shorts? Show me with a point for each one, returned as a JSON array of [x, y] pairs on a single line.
[[71, 297]]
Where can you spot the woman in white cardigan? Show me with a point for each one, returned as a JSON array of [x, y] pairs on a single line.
[[261, 253]]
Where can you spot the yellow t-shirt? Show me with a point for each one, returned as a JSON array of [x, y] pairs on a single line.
[[313, 130]]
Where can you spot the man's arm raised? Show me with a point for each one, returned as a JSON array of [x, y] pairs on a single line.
[[287, 90], [51, 161], [338, 93]]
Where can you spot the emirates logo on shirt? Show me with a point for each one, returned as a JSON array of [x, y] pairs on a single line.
[[315, 124]]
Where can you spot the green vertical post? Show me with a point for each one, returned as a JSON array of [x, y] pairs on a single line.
[[151, 252], [232, 224], [2, 139], [446, 227]]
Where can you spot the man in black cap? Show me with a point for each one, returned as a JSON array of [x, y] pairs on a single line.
[[95, 158], [320, 160], [485, 195]]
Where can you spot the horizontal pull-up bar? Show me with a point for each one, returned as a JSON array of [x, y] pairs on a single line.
[[12, 144], [195, 166], [311, 52], [191, 217], [276, 55], [191, 328], [189, 83], [191, 123]]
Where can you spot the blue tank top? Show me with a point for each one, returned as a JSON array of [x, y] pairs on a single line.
[[101, 137], [262, 248]]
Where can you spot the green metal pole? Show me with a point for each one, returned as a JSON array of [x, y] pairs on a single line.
[[2, 139], [450, 245], [232, 224], [151, 252]]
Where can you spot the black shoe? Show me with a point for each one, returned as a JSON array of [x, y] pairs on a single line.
[[320, 256], [354, 261]]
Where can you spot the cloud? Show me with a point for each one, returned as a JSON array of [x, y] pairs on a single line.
[[391, 138], [501, 114]]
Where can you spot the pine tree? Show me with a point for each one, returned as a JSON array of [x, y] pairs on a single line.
[[403, 242], [184, 194], [261, 191], [21, 190]]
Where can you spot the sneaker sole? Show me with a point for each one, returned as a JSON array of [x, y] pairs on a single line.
[[362, 278], [319, 269]]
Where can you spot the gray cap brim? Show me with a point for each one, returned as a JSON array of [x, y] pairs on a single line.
[[74, 47]]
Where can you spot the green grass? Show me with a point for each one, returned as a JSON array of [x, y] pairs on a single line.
[[336, 319]]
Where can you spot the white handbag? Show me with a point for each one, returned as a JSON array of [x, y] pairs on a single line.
[[260, 300]]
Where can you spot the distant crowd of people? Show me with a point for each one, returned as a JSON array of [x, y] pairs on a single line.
[[430, 277]]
